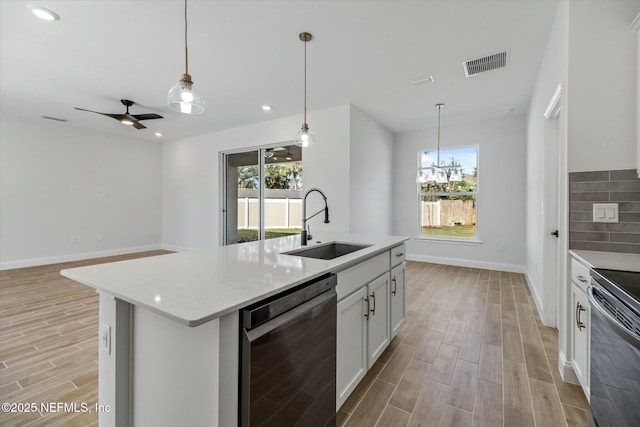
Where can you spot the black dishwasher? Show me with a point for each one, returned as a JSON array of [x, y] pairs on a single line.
[[288, 358]]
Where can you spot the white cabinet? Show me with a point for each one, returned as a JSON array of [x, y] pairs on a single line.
[[363, 333], [351, 343], [371, 307], [581, 336], [581, 324], [378, 318], [397, 298]]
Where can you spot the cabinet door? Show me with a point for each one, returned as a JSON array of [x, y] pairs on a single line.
[[397, 299], [581, 335], [351, 344], [378, 322]]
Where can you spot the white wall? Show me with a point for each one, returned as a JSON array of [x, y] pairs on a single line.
[[602, 78], [501, 198], [371, 175], [191, 175], [58, 183], [552, 72]]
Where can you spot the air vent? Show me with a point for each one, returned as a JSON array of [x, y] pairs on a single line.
[[494, 61], [54, 118]]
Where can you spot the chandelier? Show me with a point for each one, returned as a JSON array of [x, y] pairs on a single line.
[[437, 172]]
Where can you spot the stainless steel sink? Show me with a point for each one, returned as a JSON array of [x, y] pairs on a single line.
[[328, 251]]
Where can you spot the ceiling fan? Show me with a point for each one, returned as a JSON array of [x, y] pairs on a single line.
[[126, 118]]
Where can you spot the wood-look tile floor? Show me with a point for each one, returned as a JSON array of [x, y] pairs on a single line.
[[49, 343], [473, 352]]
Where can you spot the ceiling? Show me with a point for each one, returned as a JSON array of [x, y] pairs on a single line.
[[243, 54]]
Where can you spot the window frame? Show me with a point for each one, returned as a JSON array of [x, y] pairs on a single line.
[[476, 193]]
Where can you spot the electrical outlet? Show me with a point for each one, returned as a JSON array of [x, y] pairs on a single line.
[[105, 338]]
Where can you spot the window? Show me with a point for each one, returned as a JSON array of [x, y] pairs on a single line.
[[448, 209], [262, 194]]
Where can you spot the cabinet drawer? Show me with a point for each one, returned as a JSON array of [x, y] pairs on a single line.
[[397, 255], [580, 274], [353, 278]]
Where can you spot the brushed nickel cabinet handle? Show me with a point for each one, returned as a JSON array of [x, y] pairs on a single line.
[[582, 279], [579, 324], [373, 310], [366, 312], [400, 254], [395, 286]]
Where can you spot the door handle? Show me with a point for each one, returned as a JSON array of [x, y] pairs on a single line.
[[579, 324], [395, 286], [373, 310], [555, 233]]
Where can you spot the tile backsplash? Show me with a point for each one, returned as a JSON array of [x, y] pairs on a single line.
[[618, 186]]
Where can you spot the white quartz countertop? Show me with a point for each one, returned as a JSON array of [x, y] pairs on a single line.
[[198, 286], [608, 260]]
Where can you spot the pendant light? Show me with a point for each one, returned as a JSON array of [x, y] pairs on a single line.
[[304, 138], [436, 173], [183, 97]]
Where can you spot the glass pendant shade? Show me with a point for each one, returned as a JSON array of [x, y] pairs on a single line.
[[441, 177], [304, 138], [431, 175], [184, 98], [456, 176]]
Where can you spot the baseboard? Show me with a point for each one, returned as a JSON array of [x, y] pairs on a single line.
[[566, 369], [32, 262], [486, 265], [536, 297], [175, 248]]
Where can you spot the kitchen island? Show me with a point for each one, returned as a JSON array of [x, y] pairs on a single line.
[[169, 325]]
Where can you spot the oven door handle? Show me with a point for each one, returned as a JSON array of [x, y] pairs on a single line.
[[608, 318]]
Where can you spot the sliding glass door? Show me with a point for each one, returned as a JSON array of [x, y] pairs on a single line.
[[262, 194]]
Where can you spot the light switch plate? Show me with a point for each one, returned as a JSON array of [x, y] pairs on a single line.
[[605, 212]]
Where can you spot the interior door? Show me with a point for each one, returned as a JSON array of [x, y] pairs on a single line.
[[553, 232]]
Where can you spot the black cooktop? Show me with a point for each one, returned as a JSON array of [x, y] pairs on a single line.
[[628, 281]]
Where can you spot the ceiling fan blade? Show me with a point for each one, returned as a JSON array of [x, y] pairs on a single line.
[[147, 116], [115, 116], [139, 125], [91, 111]]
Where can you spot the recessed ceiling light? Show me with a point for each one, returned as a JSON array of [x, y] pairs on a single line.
[[158, 134], [266, 107], [44, 13], [423, 81]]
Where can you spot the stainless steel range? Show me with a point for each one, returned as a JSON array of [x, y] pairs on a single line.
[[615, 348]]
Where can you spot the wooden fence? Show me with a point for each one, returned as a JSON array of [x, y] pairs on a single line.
[[448, 212]]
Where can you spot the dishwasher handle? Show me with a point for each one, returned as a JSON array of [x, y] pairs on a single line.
[[603, 314], [329, 297]]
